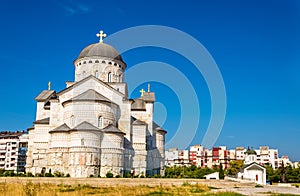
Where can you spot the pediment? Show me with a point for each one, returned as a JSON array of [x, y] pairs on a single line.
[[91, 88], [112, 129], [86, 126], [61, 128], [91, 77]]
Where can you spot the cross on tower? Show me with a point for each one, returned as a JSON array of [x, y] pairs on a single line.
[[101, 35], [142, 92], [49, 86]]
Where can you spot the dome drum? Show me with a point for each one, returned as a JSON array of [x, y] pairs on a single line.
[[102, 50]]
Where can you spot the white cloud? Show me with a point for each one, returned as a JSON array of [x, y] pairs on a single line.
[[74, 7]]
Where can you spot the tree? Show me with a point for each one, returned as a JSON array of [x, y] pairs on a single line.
[[283, 172], [270, 172], [187, 172], [221, 172], [234, 167]]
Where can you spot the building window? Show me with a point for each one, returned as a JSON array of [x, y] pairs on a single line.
[[96, 61], [109, 77], [83, 74], [90, 61], [119, 78], [100, 122], [96, 74], [72, 121]]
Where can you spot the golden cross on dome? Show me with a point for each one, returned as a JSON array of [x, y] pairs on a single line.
[[142, 92], [101, 35]]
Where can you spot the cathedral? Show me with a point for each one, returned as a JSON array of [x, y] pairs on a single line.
[[91, 127]]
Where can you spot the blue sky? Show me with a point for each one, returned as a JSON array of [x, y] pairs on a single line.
[[256, 45]]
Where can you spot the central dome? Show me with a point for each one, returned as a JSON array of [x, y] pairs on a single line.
[[100, 50]]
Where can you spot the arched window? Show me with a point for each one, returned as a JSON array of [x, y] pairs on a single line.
[[96, 74], [96, 61], [90, 61], [100, 122], [109, 77], [72, 121], [119, 78], [83, 74]]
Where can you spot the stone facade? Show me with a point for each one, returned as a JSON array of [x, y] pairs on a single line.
[[91, 127]]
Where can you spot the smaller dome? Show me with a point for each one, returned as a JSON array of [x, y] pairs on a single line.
[[100, 50], [250, 151]]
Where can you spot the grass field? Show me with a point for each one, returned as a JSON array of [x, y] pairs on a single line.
[[46, 189], [41, 186]]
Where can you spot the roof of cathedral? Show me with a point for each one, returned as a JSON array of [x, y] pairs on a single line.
[[100, 50], [42, 121], [158, 128], [139, 122], [85, 126], [86, 79], [148, 96], [138, 104], [112, 129], [45, 95], [30, 128], [91, 95], [61, 128]]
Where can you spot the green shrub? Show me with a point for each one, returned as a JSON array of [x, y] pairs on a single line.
[[49, 175], [258, 186], [2, 172], [126, 175], [9, 173], [39, 175], [22, 175], [109, 175], [58, 174], [29, 174]]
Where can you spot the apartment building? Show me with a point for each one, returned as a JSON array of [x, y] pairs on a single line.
[[201, 157], [13, 149]]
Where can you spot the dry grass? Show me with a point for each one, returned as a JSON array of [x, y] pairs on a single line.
[[46, 189]]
